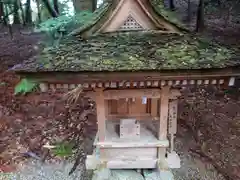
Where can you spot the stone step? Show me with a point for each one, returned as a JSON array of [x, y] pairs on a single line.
[[107, 174]]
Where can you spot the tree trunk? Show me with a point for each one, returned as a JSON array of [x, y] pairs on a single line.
[[77, 5], [1, 9], [28, 12], [16, 18], [38, 11], [55, 5], [51, 11], [189, 11], [9, 25], [94, 3], [83, 5], [22, 12], [2, 14], [171, 5], [6, 17], [200, 17]]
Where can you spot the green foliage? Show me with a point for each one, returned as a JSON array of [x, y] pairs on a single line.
[[25, 86], [96, 16], [56, 28], [8, 1], [63, 149], [62, 23], [64, 7]]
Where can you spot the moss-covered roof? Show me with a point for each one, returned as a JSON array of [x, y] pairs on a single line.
[[131, 52]]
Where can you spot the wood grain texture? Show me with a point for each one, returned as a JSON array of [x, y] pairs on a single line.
[[132, 93], [101, 116], [154, 107], [163, 119], [164, 112]]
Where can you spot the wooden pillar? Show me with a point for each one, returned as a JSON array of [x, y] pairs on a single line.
[[107, 109], [154, 106], [101, 116], [165, 92], [162, 165]]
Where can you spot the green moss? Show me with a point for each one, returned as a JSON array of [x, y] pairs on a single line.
[[196, 53], [132, 52]]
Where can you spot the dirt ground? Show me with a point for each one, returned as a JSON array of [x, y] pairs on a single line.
[[212, 117]]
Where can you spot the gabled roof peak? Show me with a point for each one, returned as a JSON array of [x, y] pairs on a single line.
[[112, 15]]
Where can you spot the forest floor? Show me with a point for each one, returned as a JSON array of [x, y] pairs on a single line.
[[209, 120]]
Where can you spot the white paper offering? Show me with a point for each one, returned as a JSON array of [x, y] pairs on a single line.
[[144, 100]]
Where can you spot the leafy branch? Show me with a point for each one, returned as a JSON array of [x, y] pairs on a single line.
[[25, 86]]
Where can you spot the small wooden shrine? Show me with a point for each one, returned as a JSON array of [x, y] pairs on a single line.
[[133, 61]]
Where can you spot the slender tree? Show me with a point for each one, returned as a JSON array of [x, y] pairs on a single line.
[[38, 11], [9, 25], [28, 12], [6, 17], [55, 5], [189, 11], [171, 5], [22, 12], [77, 5], [94, 3], [80, 5], [16, 18], [51, 10], [200, 16], [2, 13], [1, 9]]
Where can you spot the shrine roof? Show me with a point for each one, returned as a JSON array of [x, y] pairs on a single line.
[[131, 51], [144, 50]]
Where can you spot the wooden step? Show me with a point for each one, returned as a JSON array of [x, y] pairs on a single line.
[[136, 144]]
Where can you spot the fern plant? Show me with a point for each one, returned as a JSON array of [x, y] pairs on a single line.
[[57, 28], [63, 149], [63, 22], [25, 86]]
